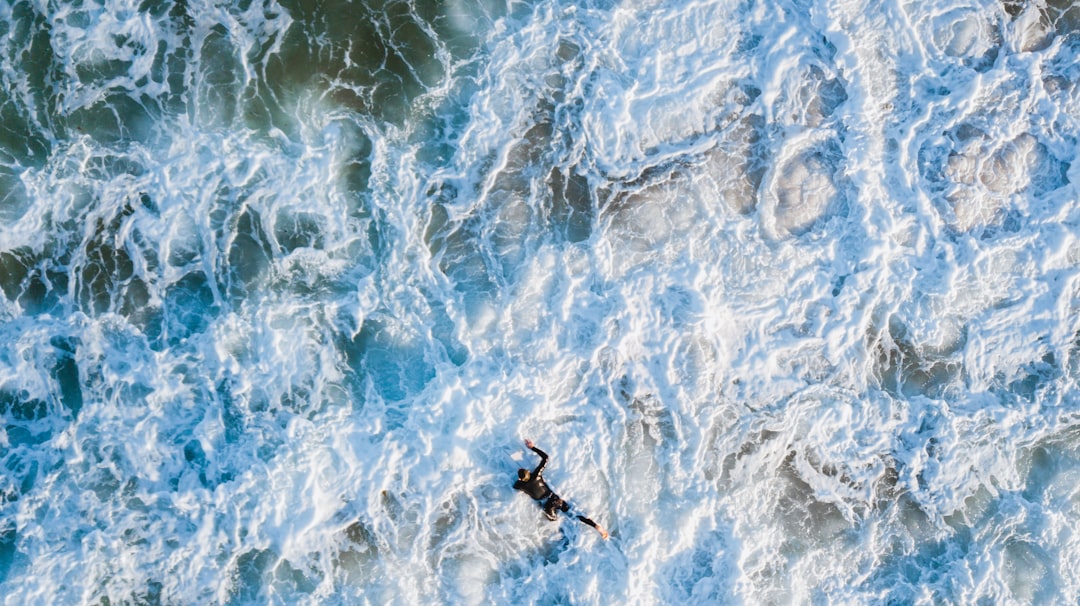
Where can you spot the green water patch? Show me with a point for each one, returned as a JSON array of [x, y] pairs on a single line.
[[372, 59], [375, 58], [26, 105]]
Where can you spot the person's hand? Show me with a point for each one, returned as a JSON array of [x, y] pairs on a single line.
[[529, 443]]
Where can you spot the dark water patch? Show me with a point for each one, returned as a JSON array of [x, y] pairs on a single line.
[[658, 427], [21, 406], [572, 204], [14, 270], [904, 367], [195, 456], [170, 64], [66, 373], [22, 464], [150, 596], [299, 400], [1045, 468], [449, 519], [920, 553], [188, 307], [390, 357], [739, 163], [445, 332], [374, 59], [1030, 379], [118, 118], [917, 553], [36, 280], [461, 26], [516, 202], [815, 99], [193, 465], [437, 127], [184, 251], [249, 257], [357, 554], [719, 466], [13, 199], [1065, 15], [808, 522], [250, 575], [221, 78], [1035, 24], [101, 70], [1013, 8], [26, 112], [455, 247], [8, 544], [103, 472], [233, 411], [1030, 572], [459, 255], [298, 229], [107, 265], [355, 173], [289, 580], [403, 511]]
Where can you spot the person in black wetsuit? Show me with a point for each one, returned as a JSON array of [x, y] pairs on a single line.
[[533, 484]]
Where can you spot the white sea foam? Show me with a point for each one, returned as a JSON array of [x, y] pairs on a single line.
[[788, 291]]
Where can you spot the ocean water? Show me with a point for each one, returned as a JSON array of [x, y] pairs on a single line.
[[789, 290]]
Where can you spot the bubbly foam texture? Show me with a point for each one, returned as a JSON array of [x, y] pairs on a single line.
[[786, 290]]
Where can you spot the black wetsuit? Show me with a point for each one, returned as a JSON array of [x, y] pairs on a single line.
[[538, 489]]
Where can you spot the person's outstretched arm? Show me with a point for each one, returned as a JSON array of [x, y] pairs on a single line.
[[543, 457], [598, 527]]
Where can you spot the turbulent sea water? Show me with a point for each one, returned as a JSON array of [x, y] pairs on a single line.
[[789, 290]]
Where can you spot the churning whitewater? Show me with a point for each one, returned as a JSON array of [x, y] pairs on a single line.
[[789, 291]]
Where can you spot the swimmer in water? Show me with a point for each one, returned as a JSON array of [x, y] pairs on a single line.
[[533, 484]]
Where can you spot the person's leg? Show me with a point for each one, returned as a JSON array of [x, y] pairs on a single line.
[[551, 507]]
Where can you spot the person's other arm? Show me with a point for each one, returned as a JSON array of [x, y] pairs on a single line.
[[543, 458]]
